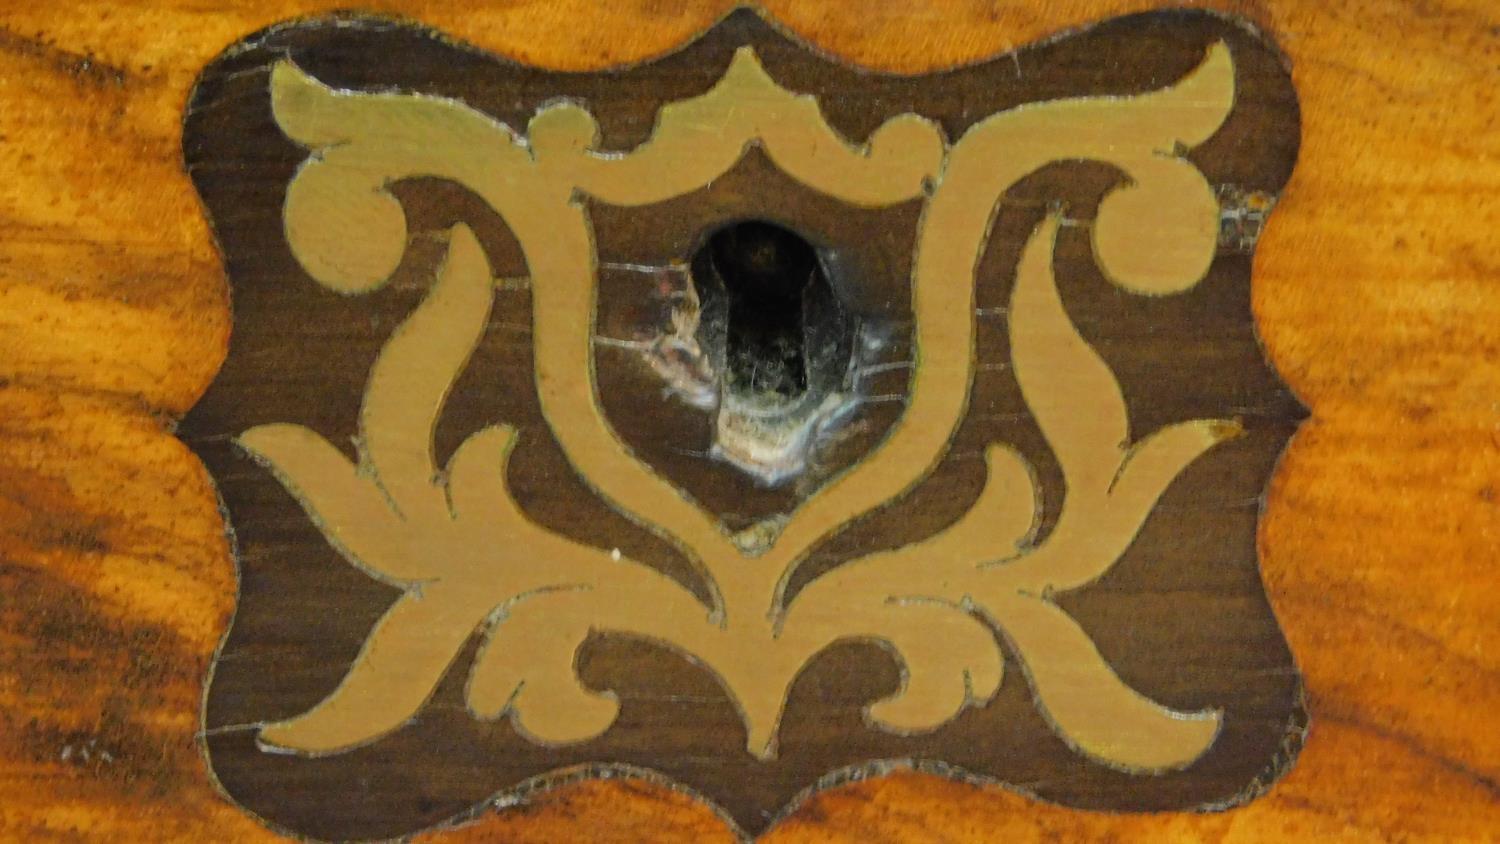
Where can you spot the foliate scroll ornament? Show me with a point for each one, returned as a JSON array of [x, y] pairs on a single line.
[[468, 558], [486, 542]]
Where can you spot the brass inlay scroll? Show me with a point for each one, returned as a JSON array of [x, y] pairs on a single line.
[[465, 554]]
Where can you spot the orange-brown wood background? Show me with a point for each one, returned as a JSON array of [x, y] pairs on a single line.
[[1377, 288]]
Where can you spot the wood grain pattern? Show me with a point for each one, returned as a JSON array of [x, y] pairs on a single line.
[[1374, 285]]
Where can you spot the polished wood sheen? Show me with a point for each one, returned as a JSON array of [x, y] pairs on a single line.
[[1373, 287]]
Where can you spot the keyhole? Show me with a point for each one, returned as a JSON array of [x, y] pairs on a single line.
[[767, 272], [777, 335]]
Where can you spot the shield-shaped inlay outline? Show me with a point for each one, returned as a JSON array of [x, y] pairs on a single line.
[[508, 512]]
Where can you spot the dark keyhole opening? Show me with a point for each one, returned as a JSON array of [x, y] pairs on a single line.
[[767, 273]]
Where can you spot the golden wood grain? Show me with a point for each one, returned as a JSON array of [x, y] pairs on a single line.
[[1377, 286]]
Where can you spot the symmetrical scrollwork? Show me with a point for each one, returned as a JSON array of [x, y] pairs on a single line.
[[465, 554]]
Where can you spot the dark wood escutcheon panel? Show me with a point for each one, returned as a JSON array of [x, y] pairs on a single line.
[[742, 418]]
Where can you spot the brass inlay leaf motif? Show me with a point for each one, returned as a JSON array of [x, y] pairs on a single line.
[[468, 558]]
